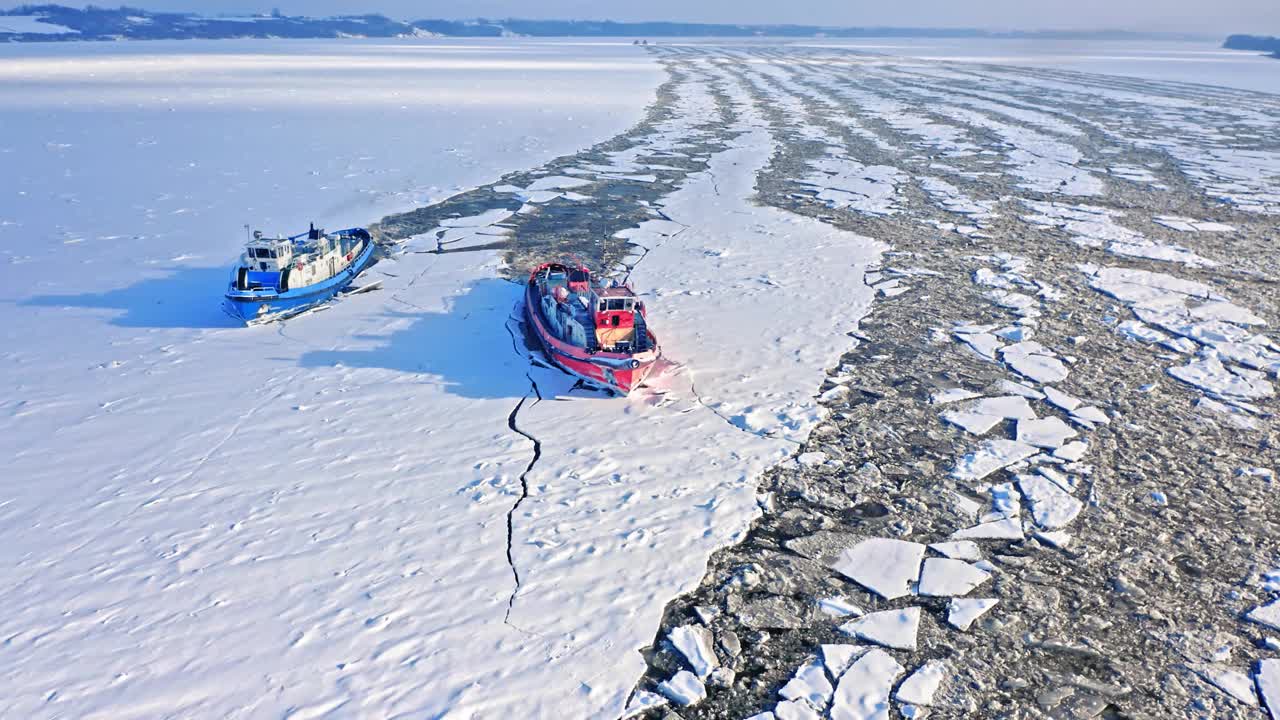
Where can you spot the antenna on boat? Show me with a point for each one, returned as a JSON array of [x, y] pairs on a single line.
[[246, 232]]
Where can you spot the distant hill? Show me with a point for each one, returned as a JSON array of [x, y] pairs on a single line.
[[1260, 43], [48, 23], [44, 23]]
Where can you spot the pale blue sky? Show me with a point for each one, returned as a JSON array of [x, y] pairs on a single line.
[[1203, 16]]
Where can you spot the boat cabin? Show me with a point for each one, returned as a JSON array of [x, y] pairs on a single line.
[[265, 254], [616, 314]]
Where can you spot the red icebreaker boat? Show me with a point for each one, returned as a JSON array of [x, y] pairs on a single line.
[[596, 333]]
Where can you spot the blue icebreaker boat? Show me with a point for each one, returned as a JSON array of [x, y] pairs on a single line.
[[280, 277]]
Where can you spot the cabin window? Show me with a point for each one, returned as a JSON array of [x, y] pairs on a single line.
[[627, 306], [616, 304], [577, 276], [603, 306]]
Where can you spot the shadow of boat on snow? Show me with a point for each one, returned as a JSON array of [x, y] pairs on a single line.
[[467, 347], [183, 298]]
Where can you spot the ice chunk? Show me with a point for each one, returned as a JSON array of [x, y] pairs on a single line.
[[837, 658], [1072, 451], [695, 643], [884, 566], [1032, 360], [1209, 374], [1090, 415], [1017, 388], [1054, 538], [1226, 312], [962, 612], [1007, 529], [863, 692], [810, 684], [766, 715], [1051, 506], [950, 395], [1056, 477], [1232, 682], [984, 344], [838, 607], [944, 577], [1061, 399], [991, 456], [1268, 615], [684, 688], [958, 550], [971, 422], [642, 702], [1049, 433], [795, 710], [891, 628], [920, 687], [1267, 677], [1013, 407]]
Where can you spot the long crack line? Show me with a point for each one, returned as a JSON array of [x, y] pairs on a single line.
[[524, 489]]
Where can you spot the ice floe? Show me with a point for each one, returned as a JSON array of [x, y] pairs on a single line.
[[962, 612], [884, 566], [809, 684], [1092, 226], [1007, 529], [863, 690], [991, 456], [696, 644], [920, 686], [1052, 507], [642, 702], [1268, 615], [837, 657], [958, 550], [891, 628], [684, 688], [950, 395], [944, 577], [1232, 682], [795, 710], [1049, 433], [1267, 677], [1182, 224], [1033, 360]]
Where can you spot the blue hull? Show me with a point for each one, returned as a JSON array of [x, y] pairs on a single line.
[[257, 307]]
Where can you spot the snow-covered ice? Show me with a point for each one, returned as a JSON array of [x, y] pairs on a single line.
[[1006, 529], [1267, 677], [884, 566], [837, 657], [1052, 507], [922, 684], [962, 612], [809, 684], [890, 628], [1268, 614], [684, 688], [990, 456], [696, 644], [944, 577], [863, 690], [1049, 433], [958, 550]]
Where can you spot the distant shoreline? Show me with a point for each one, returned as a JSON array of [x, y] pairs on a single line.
[[56, 23]]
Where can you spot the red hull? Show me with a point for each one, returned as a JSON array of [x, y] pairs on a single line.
[[621, 372]]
